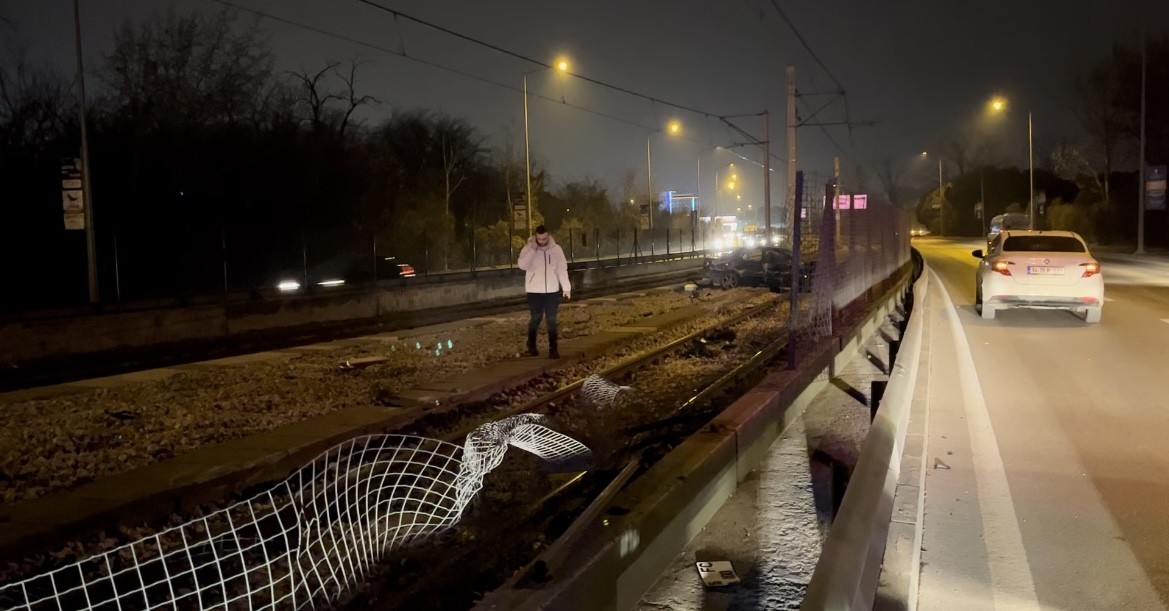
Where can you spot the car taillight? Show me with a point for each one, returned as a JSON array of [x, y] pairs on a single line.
[[1002, 267], [1090, 269]]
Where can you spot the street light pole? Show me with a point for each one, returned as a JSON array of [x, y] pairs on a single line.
[[649, 181], [698, 184], [982, 197], [717, 191], [1141, 161], [87, 197], [942, 201], [527, 159], [562, 66], [1031, 172]]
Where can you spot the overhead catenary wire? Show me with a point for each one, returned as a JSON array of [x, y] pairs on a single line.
[[402, 54], [841, 91], [725, 119], [538, 62]]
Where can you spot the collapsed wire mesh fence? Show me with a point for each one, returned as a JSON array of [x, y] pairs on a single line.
[[304, 542]]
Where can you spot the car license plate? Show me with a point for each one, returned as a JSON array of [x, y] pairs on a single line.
[[1043, 270]]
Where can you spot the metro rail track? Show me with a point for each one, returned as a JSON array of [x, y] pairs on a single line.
[[68, 368], [535, 537], [425, 425]]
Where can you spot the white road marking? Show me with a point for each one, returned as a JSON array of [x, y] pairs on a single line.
[[1165, 320], [1010, 572]]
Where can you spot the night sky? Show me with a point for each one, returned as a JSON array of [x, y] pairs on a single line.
[[919, 69]]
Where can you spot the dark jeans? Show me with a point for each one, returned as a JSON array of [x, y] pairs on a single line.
[[541, 305]]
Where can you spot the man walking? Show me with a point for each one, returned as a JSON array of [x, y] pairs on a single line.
[[546, 279]]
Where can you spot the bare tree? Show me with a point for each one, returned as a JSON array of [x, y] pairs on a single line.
[[959, 150], [196, 69], [322, 102], [312, 94], [1103, 119], [891, 176], [351, 99], [459, 149], [33, 106]]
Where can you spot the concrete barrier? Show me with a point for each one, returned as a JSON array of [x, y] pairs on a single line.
[[33, 342], [847, 573]]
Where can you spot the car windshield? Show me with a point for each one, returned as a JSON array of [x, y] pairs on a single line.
[[1043, 243]]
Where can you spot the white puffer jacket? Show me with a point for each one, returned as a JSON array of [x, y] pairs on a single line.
[[546, 267]]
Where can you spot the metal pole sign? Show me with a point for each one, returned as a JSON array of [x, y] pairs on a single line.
[[1155, 188], [643, 217], [72, 193], [519, 213]]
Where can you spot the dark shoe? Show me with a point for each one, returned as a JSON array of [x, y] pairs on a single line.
[[553, 353], [553, 345], [532, 345]]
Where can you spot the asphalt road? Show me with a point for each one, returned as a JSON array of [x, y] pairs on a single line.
[[1047, 481]]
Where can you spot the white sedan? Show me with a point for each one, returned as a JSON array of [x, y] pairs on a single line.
[[1024, 268]]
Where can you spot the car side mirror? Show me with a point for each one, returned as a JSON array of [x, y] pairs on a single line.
[[977, 252]]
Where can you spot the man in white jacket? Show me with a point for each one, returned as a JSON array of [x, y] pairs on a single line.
[[545, 281]]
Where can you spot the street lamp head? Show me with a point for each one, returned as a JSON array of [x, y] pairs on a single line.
[[562, 65], [925, 153], [674, 128], [997, 104]]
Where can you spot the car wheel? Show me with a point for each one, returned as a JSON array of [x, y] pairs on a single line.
[[1092, 315], [731, 280], [978, 299]]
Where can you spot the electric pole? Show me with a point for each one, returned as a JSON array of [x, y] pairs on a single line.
[[1141, 163], [792, 204], [87, 198], [767, 176]]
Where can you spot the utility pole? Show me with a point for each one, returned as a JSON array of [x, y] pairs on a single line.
[[767, 176], [1141, 163], [792, 204], [649, 181], [1031, 172], [982, 198], [90, 238], [527, 159], [942, 201], [831, 208]]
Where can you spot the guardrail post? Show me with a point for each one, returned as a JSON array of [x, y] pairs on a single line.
[[840, 477], [876, 393]]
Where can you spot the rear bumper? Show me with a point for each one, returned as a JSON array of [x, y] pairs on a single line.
[[1035, 301], [1007, 293]]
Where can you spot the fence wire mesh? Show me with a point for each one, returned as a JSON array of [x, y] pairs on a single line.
[[307, 540], [854, 246]]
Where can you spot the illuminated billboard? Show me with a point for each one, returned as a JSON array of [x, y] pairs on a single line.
[[860, 201]]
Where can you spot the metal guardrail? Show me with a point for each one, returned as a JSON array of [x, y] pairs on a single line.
[[847, 573]]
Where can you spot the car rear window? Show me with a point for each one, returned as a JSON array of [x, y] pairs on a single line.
[[1043, 243]]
